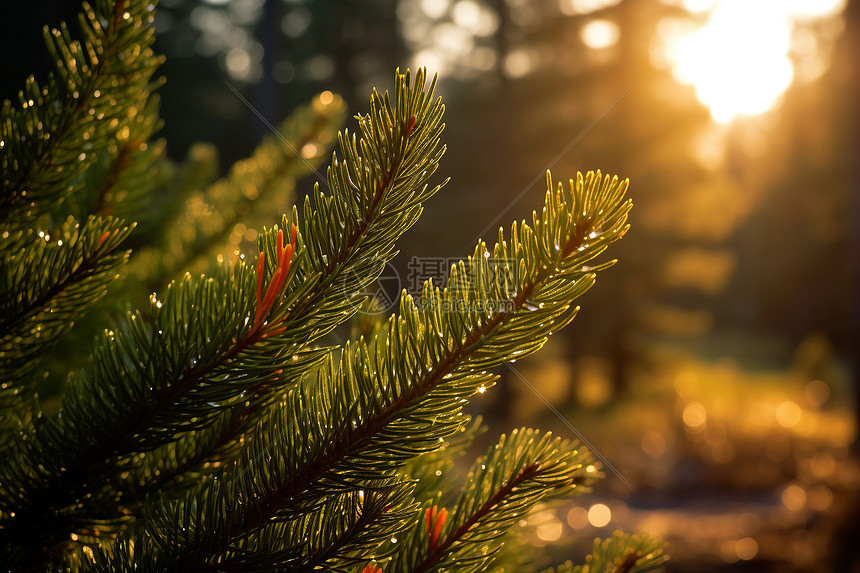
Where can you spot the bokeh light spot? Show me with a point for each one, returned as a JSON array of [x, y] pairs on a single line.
[[517, 63], [822, 465], [695, 416], [600, 34], [550, 530], [577, 517], [435, 8], [820, 498], [599, 515], [816, 393], [654, 444], [296, 22], [746, 548], [794, 497], [788, 414], [238, 61]]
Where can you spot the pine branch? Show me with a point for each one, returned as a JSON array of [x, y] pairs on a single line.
[[433, 358], [171, 470], [197, 171], [621, 553], [518, 472], [211, 432], [202, 351], [169, 186], [207, 223], [129, 172], [392, 400], [336, 536], [363, 519], [85, 100], [135, 397], [215, 449], [184, 464], [47, 284], [432, 469]]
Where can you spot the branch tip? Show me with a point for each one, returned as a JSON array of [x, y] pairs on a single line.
[[435, 519]]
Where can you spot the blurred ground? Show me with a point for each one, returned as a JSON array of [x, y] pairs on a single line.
[[738, 462]]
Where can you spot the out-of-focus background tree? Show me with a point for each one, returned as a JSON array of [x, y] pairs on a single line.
[[716, 367]]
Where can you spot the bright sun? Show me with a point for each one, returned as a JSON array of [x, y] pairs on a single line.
[[738, 61]]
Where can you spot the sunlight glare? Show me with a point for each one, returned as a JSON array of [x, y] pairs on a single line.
[[698, 6], [814, 9], [738, 61]]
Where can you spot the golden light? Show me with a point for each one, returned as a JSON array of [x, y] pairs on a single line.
[[654, 444], [788, 414], [739, 60], [547, 526], [822, 465], [599, 34], [577, 517], [820, 498], [695, 416], [599, 515], [794, 497], [446, 35], [746, 548], [550, 530]]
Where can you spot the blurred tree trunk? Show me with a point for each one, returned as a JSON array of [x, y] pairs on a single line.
[[503, 128], [265, 93], [846, 554], [850, 49]]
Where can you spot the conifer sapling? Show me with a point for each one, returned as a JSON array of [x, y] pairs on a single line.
[[214, 428]]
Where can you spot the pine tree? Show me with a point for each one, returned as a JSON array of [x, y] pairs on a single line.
[[213, 429]]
